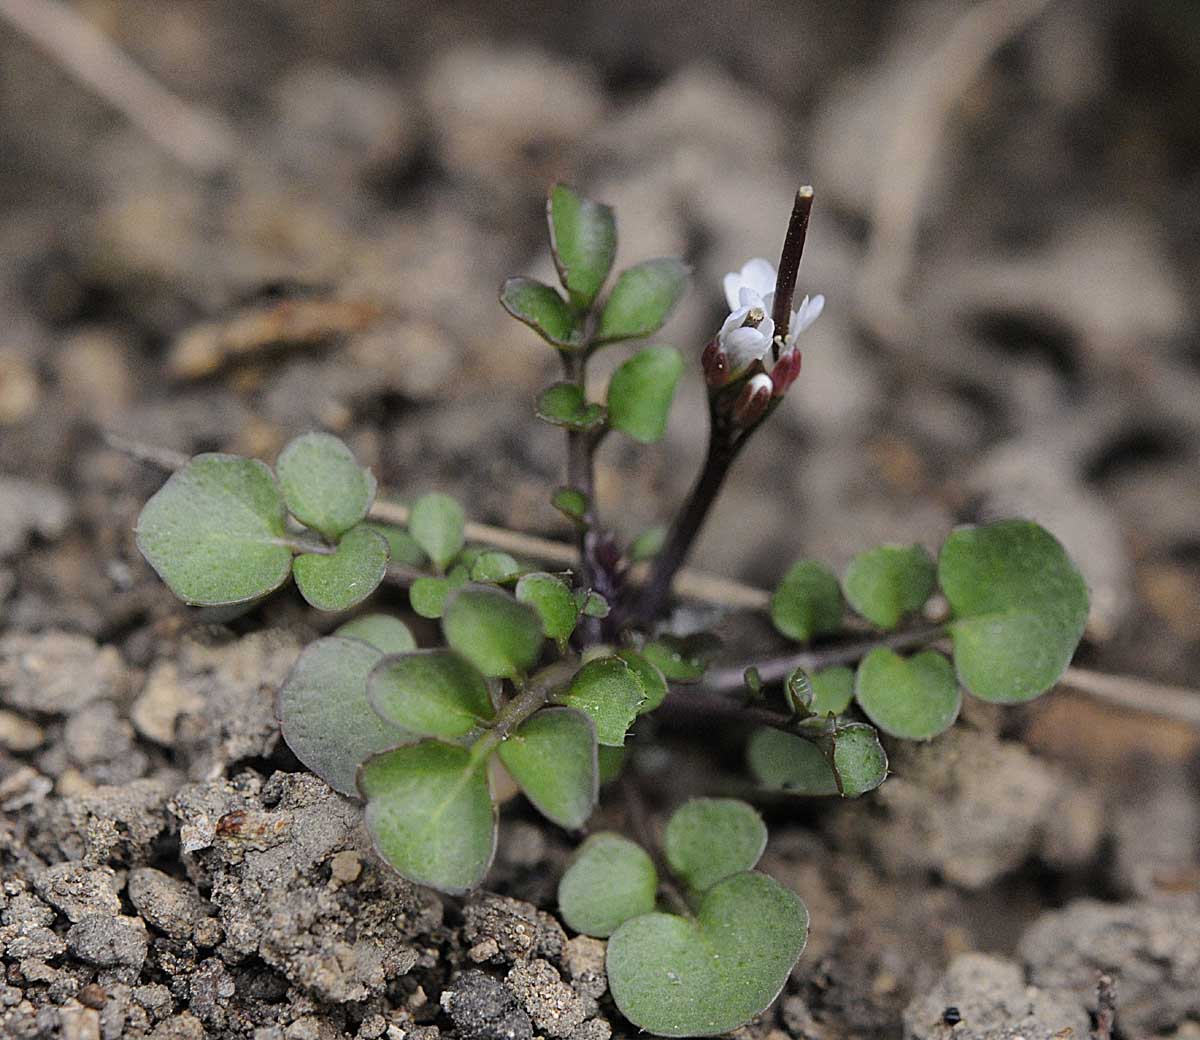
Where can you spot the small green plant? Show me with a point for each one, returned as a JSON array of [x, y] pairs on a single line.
[[543, 674]]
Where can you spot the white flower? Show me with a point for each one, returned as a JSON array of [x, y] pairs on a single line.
[[809, 311], [757, 275], [748, 332]]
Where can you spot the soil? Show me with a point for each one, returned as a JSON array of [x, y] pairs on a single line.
[[168, 868]]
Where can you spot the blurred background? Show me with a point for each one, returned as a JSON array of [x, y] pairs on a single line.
[[223, 222]]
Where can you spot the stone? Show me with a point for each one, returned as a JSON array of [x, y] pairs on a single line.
[[172, 906], [162, 700], [78, 890], [109, 940], [19, 734], [556, 1009], [1151, 946], [483, 1008], [57, 673], [982, 997], [519, 929]]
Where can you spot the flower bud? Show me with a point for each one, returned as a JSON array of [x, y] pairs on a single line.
[[715, 363], [785, 371], [752, 402]]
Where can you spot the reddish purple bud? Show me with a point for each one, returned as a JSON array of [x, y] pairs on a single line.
[[753, 400], [715, 364], [786, 369]]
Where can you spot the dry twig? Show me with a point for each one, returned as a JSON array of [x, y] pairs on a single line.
[[199, 139], [1127, 692]]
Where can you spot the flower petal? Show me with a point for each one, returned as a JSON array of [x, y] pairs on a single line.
[[732, 282], [743, 347], [734, 321], [759, 274]]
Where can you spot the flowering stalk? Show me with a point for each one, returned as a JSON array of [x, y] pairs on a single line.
[[749, 366]]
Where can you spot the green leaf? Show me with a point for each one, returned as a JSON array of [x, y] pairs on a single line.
[[215, 533], [807, 602], [542, 309], [784, 761], [591, 603], [682, 659], [583, 239], [643, 299], [554, 601], [612, 761], [437, 523], [324, 487], [498, 635], [889, 582], [653, 682], [430, 814], [402, 545], [572, 503], [324, 713], [552, 757], [428, 596], [389, 634], [1019, 606], [641, 391], [833, 690], [563, 404], [648, 544], [915, 699], [610, 692], [858, 759], [433, 693], [348, 576], [494, 566], [708, 839], [676, 977], [610, 880]]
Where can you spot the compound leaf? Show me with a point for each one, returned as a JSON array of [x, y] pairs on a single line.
[[677, 977], [610, 880], [324, 487], [554, 601], [807, 602], [859, 760], [430, 814], [653, 681], [428, 596], [402, 545], [914, 699], [609, 691], [215, 533], [552, 757], [1019, 608], [324, 713], [642, 299], [889, 582], [583, 239], [641, 391], [386, 633], [438, 525], [498, 635], [434, 693], [564, 404], [708, 839], [494, 566], [572, 503], [348, 576], [682, 659], [784, 761], [542, 309], [832, 690]]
